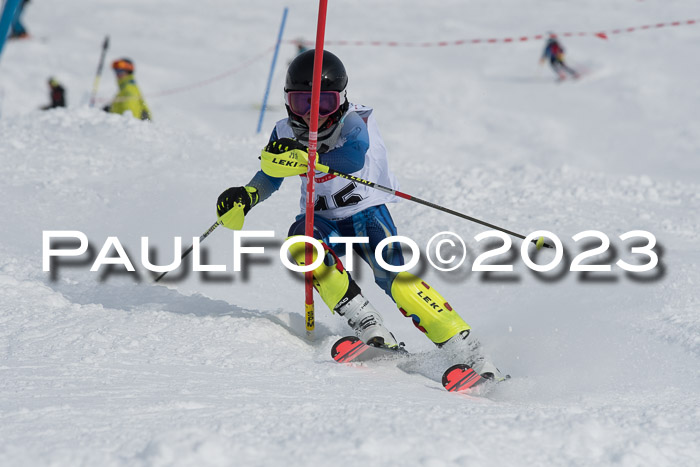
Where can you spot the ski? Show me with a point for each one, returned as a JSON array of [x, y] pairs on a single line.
[[458, 378], [461, 377], [352, 349]]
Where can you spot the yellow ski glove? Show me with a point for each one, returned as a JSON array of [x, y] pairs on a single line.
[[284, 157], [233, 204]]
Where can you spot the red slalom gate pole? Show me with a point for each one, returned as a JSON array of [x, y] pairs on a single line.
[[313, 140]]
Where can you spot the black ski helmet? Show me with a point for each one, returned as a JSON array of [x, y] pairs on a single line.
[[301, 71], [333, 78]]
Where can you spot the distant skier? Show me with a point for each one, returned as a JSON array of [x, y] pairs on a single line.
[[129, 98], [554, 51], [349, 141], [57, 94], [301, 47], [17, 29]]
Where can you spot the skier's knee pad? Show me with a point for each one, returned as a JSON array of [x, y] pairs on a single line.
[[331, 280], [429, 311]]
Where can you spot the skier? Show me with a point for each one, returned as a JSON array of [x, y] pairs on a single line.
[[555, 53], [349, 142], [129, 98], [17, 29], [301, 47], [58, 95]]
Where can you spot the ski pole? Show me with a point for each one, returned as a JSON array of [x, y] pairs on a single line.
[[96, 84], [187, 252], [324, 168], [7, 15]]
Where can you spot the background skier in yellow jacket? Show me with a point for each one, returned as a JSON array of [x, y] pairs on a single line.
[[129, 96]]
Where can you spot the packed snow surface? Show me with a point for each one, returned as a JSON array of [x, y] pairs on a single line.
[[107, 368]]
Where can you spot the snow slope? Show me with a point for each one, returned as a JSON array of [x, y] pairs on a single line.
[[106, 368]]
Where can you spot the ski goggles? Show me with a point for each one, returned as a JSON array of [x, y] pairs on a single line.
[[299, 102], [123, 65]]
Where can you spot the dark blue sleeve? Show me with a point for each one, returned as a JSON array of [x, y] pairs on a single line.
[[273, 135], [265, 184], [350, 157]]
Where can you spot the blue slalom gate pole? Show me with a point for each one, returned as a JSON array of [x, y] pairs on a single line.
[[272, 69], [8, 15]]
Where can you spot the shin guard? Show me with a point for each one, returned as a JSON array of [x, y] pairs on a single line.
[[331, 281], [430, 312]]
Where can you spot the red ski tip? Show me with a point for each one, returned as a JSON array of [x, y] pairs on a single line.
[[460, 377], [347, 349]]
